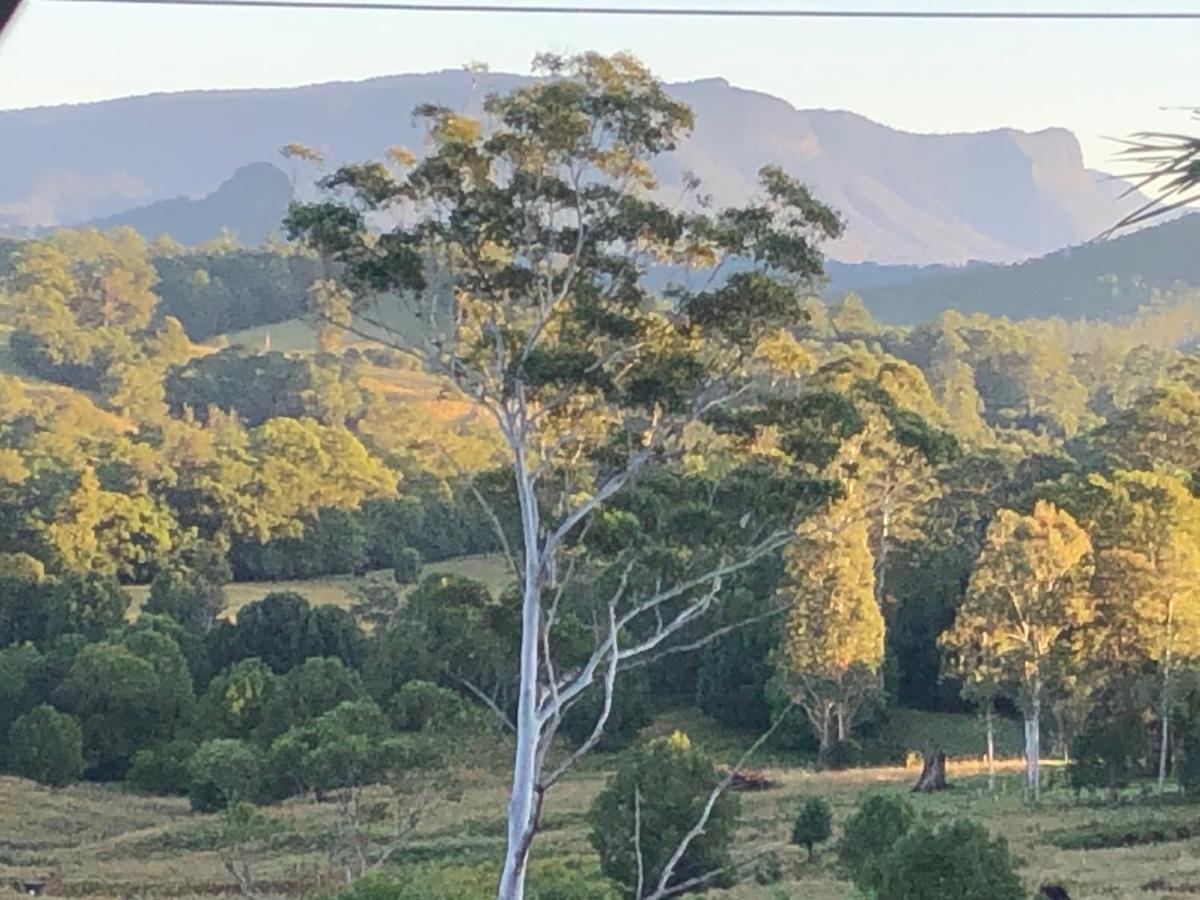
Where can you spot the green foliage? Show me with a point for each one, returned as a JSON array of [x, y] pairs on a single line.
[[629, 714], [813, 824], [214, 293], [348, 746], [127, 696], [731, 682], [236, 701], [314, 687], [662, 787], [223, 772], [46, 746], [955, 860], [419, 705], [262, 386], [162, 769], [406, 565], [871, 833], [1109, 751], [20, 665], [283, 630], [190, 588]]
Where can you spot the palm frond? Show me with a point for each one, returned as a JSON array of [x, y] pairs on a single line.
[[1166, 163]]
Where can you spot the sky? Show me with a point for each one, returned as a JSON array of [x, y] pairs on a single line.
[[1099, 79]]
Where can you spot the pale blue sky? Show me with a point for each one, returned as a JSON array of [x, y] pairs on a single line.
[[1098, 79]]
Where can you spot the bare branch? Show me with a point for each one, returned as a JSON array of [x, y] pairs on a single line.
[[661, 890], [488, 702]]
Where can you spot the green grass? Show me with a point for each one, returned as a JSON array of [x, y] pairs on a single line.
[[103, 842], [336, 590], [957, 736]]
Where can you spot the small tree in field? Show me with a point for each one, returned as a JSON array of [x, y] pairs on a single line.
[[813, 824], [638, 821], [521, 250], [833, 644], [957, 860], [46, 746], [871, 832]]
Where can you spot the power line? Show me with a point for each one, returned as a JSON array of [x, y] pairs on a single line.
[[681, 12]]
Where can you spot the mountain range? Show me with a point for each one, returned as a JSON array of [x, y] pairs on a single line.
[[163, 162]]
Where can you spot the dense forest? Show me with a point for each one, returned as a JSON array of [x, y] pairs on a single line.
[[999, 516]]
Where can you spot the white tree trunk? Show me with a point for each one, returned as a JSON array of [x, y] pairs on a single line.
[[522, 803], [1165, 713], [991, 749], [1033, 750], [1164, 742]]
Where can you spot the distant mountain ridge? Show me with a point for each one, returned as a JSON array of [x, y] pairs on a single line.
[[251, 204], [1000, 195]]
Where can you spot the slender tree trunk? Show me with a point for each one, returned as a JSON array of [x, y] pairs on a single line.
[[1164, 740], [522, 804], [991, 748], [1033, 748], [1165, 713], [826, 732], [842, 725]]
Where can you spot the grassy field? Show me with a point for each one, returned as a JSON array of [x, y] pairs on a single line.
[[491, 570], [101, 842]]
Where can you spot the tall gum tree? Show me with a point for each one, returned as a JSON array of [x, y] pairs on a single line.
[[518, 261], [1028, 592], [1146, 527]]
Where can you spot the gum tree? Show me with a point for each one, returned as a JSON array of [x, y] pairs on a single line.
[[513, 253], [1028, 592]]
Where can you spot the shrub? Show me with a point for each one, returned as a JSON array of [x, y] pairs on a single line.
[[870, 834], [813, 824], [46, 746], [162, 769], [419, 704], [957, 860], [668, 783], [1187, 769], [1107, 752], [223, 772], [559, 880], [843, 755], [407, 565]]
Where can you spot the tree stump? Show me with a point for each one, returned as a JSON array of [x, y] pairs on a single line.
[[933, 773]]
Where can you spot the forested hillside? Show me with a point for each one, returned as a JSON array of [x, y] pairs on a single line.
[[1103, 279]]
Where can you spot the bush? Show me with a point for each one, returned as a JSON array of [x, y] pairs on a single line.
[[1187, 735], [957, 860], [46, 746], [813, 825], [843, 755], [419, 704], [1106, 754], [870, 834], [669, 782], [223, 772], [162, 769], [407, 565], [557, 880]]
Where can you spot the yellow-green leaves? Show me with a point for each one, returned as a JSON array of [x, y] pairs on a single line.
[[1028, 590]]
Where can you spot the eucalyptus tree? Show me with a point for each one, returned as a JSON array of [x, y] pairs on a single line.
[[1028, 592], [514, 251]]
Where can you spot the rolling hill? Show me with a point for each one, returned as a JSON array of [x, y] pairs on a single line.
[[1098, 280], [1001, 195]]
